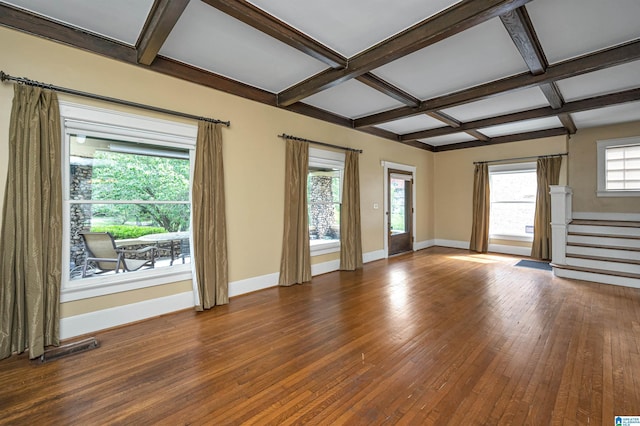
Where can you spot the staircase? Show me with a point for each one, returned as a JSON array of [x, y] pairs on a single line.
[[604, 251]]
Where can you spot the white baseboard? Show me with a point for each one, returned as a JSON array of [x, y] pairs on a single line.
[[494, 248], [634, 217], [249, 285], [464, 245], [372, 256], [420, 245], [113, 317], [514, 250]]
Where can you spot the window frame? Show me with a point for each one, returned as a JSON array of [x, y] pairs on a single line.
[[125, 127], [602, 146], [513, 168], [325, 158]]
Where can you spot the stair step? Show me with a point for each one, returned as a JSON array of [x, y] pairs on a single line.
[[620, 223], [591, 234], [599, 246], [597, 271], [604, 259]]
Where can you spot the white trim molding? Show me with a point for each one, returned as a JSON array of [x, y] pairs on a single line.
[[633, 217], [405, 168], [112, 317]]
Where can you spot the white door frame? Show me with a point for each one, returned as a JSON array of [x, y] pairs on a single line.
[[405, 168]]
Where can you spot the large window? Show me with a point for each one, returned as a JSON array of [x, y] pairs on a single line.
[[324, 197], [619, 167], [130, 177], [513, 199]]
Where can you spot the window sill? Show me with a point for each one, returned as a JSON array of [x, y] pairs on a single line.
[[318, 247], [523, 238], [104, 285], [618, 193]]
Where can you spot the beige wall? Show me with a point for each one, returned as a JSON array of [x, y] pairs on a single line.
[[583, 165], [253, 154], [453, 182]]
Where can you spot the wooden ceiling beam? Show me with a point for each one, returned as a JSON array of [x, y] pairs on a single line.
[[388, 89], [163, 17], [519, 26], [445, 24], [617, 55], [449, 120], [596, 102], [30, 23], [538, 134], [262, 21]]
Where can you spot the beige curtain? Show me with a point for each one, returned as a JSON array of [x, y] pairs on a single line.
[[209, 223], [295, 265], [350, 232], [548, 173], [481, 204], [31, 240]]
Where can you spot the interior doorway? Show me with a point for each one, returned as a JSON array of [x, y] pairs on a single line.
[[399, 211]]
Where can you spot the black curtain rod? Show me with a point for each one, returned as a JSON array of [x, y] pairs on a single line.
[[522, 158], [295, 138], [7, 77]]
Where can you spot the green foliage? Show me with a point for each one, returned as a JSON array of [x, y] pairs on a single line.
[[125, 177], [123, 232]]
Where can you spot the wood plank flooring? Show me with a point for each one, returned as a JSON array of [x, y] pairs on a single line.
[[440, 336]]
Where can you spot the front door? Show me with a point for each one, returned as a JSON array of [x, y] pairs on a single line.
[[400, 212]]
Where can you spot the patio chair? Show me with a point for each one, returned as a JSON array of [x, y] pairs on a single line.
[[103, 252]]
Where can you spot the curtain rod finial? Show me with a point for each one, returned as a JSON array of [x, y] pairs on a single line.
[[3, 76]]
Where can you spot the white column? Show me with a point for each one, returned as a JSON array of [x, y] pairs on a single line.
[[561, 214]]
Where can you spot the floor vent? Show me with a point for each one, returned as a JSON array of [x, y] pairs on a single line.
[[69, 349]]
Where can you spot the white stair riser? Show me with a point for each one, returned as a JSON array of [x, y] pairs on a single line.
[[603, 252], [603, 241], [598, 278], [604, 265], [611, 230]]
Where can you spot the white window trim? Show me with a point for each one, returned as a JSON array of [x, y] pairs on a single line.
[[94, 121], [324, 158], [506, 168], [602, 175]]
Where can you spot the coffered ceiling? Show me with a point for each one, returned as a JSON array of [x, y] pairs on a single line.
[[437, 75]]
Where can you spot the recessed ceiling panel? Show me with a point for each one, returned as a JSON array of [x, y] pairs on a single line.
[[520, 100], [609, 80], [411, 124], [120, 20], [610, 115], [352, 99], [448, 139], [570, 28], [207, 38], [522, 127], [480, 54], [352, 26]]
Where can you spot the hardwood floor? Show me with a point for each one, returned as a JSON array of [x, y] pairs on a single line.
[[438, 336]]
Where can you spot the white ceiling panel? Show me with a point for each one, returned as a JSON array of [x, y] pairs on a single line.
[[609, 80], [498, 105], [120, 20], [207, 38], [411, 124], [448, 139], [480, 54], [610, 115], [522, 127], [350, 27], [352, 99], [570, 28]]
